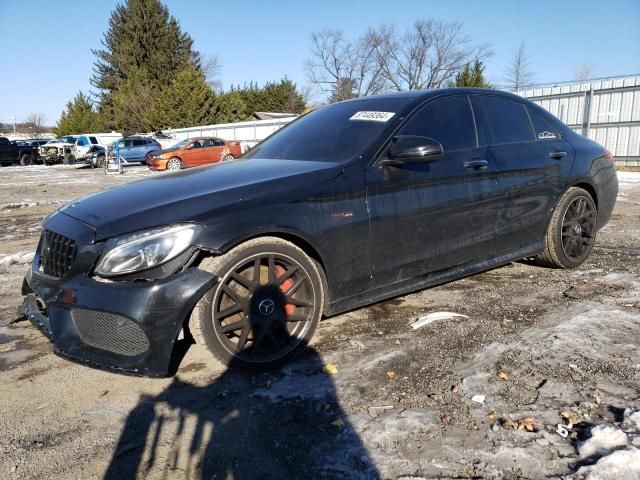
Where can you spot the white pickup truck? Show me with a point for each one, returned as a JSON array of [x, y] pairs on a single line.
[[84, 143]]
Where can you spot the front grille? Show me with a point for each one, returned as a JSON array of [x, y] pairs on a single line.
[[57, 253], [110, 332]]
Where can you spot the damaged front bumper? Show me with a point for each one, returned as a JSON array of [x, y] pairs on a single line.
[[128, 326]]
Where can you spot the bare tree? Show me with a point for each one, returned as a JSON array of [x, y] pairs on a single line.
[[518, 74], [336, 62], [428, 54], [36, 121], [211, 67], [584, 72]]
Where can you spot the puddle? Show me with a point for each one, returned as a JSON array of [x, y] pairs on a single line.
[[15, 349]]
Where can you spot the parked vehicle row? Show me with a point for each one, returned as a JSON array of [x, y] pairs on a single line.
[[94, 149]]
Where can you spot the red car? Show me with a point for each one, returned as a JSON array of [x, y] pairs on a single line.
[[193, 152]]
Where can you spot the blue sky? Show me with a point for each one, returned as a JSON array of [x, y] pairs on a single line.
[[47, 63]]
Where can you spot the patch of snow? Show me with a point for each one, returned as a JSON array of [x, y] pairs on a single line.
[[620, 465], [633, 421], [603, 440], [433, 317], [20, 258]]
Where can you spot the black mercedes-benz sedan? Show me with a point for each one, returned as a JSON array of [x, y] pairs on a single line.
[[348, 205]]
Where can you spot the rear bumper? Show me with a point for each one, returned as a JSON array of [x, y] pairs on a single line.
[[129, 327]]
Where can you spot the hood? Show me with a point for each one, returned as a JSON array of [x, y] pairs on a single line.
[[195, 194]]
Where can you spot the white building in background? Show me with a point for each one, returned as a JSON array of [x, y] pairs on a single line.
[[605, 110], [247, 133]]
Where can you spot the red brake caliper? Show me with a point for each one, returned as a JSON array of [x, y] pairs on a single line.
[[286, 285]]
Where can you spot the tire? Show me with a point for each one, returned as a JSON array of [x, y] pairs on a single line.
[[26, 159], [269, 329], [174, 164], [70, 160], [571, 232], [228, 157], [100, 161]]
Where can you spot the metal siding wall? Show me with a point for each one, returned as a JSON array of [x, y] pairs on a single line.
[[612, 101]]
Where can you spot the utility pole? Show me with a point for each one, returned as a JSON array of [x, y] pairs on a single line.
[[13, 116]]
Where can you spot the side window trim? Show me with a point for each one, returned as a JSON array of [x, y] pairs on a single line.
[[475, 123]]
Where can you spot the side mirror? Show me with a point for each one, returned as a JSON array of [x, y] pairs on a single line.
[[413, 149]]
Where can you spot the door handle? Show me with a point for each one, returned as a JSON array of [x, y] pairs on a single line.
[[557, 155], [476, 164]]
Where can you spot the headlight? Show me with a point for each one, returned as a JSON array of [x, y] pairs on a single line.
[[144, 250]]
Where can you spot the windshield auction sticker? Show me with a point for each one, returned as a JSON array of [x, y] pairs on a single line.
[[374, 116]]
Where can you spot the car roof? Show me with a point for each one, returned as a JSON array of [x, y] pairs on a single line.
[[424, 94]]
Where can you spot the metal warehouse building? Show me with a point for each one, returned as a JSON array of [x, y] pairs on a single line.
[[605, 110]]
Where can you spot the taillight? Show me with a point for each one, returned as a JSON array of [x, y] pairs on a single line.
[[607, 154]]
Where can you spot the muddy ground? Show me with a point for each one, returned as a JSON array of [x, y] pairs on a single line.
[[543, 347]]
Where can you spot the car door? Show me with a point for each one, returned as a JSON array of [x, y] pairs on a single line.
[[426, 217], [5, 150], [137, 151], [532, 165], [191, 155], [215, 150]]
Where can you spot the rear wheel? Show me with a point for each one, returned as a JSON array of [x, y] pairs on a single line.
[[264, 309], [571, 232], [26, 159], [174, 164]]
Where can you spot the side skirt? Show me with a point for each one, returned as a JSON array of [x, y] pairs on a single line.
[[425, 281]]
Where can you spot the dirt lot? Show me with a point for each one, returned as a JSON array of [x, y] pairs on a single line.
[[536, 348]]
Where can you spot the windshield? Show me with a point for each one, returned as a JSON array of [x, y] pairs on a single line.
[[334, 133], [181, 144], [65, 139]]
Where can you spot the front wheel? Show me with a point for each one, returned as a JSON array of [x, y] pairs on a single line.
[[265, 307], [571, 232], [228, 157], [70, 160], [174, 164]]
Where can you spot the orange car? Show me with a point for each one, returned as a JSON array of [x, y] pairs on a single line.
[[193, 152]]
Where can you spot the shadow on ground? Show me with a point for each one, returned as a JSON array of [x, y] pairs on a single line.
[[244, 426]]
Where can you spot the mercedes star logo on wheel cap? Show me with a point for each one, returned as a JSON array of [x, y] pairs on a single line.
[[266, 307]]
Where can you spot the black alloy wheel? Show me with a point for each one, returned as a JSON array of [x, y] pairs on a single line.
[[265, 307], [579, 228]]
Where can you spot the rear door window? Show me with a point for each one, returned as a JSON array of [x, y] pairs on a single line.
[[543, 126], [93, 140], [138, 143], [508, 119], [448, 120]]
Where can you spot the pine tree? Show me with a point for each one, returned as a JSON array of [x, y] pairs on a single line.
[[131, 103], [230, 107], [471, 76], [187, 101], [78, 117], [142, 35]]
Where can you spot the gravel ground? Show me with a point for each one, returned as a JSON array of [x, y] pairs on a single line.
[[473, 396]]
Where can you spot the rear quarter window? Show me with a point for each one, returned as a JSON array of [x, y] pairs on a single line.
[[508, 119], [543, 127]]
